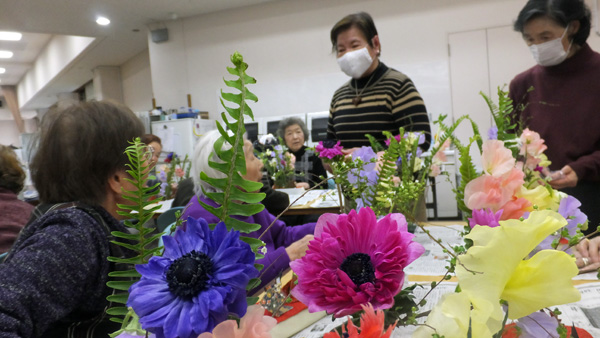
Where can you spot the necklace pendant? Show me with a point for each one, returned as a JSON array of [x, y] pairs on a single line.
[[356, 101]]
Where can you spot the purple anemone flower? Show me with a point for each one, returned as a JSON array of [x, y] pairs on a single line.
[[200, 279]]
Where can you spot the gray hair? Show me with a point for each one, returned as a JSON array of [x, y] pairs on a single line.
[[203, 153], [288, 122]]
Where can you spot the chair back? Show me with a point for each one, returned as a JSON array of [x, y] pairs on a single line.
[[167, 218]]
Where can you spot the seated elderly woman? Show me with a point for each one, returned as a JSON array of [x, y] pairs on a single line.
[[15, 213], [284, 244], [309, 167], [54, 278]]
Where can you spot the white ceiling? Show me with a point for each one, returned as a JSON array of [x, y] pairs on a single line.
[[125, 37]]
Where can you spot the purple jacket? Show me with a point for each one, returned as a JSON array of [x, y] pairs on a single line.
[[276, 239]]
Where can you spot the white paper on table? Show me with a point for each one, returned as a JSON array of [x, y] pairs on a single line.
[[321, 327], [321, 197], [164, 206], [433, 261]]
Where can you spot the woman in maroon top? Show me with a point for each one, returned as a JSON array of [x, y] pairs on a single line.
[[14, 213], [564, 104]]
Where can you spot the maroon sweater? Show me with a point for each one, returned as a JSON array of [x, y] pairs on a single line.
[[564, 108], [14, 214]]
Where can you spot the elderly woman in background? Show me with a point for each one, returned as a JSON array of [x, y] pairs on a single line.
[[284, 244], [14, 212], [309, 167], [154, 146], [54, 278]]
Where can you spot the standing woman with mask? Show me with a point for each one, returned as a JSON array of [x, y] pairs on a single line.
[[564, 104], [376, 98]]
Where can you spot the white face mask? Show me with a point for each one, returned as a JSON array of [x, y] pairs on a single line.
[[550, 53], [356, 62]]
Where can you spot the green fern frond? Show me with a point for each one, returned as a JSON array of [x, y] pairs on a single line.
[[139, 211], [235, 194]]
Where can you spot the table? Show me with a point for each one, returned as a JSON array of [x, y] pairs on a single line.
[[312, 202]]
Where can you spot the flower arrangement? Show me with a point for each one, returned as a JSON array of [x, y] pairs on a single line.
[[280, 165], [519, 231], [388, 179], [172, 173]]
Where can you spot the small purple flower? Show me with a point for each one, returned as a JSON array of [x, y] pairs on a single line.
[[569, 209], [170, 157], [539, 169], [485, 217], [162, 176], [538, 324], [329, 149], [493, 133], [389, 141]]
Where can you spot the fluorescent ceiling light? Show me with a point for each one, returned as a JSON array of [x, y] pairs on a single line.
[[4, 54], [10, 36], [102, 21], [2, 70]]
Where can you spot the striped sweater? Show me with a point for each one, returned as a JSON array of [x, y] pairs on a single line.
[[389, 101]]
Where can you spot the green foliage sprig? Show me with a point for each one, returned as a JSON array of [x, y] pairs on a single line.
[[140, 241], [504, 119], [235, 195]]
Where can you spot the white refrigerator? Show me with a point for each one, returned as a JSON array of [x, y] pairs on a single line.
[[180, 135]]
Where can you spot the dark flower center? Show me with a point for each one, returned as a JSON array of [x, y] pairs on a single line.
[[329, 143], [359, 268], [188, 274]]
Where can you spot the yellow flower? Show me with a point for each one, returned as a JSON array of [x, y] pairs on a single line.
[[545, 162], [542, 196], [451, 317], [497, 256]]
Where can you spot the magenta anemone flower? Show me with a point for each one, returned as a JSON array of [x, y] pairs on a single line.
[[329, 149], [355, 260]]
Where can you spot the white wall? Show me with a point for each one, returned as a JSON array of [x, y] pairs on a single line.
[[9, 133], [287, 46], [56, 57], [137, 82]]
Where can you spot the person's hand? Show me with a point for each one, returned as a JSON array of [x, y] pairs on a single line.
[[564, 178], [587, 256], [348, 151], [304, 185], [298, 248]]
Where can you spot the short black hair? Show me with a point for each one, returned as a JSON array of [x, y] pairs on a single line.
[[562, 12], [362, 20], [80, 147]]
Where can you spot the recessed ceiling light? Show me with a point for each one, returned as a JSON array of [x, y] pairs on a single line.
[[4, 54], [102, 21], [10, 36], [2, 70]]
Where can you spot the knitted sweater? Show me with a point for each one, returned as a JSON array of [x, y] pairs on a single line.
[[14, 214], [309, 167], [56, 274], [564, 108], [389, 100], [277, 237]]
